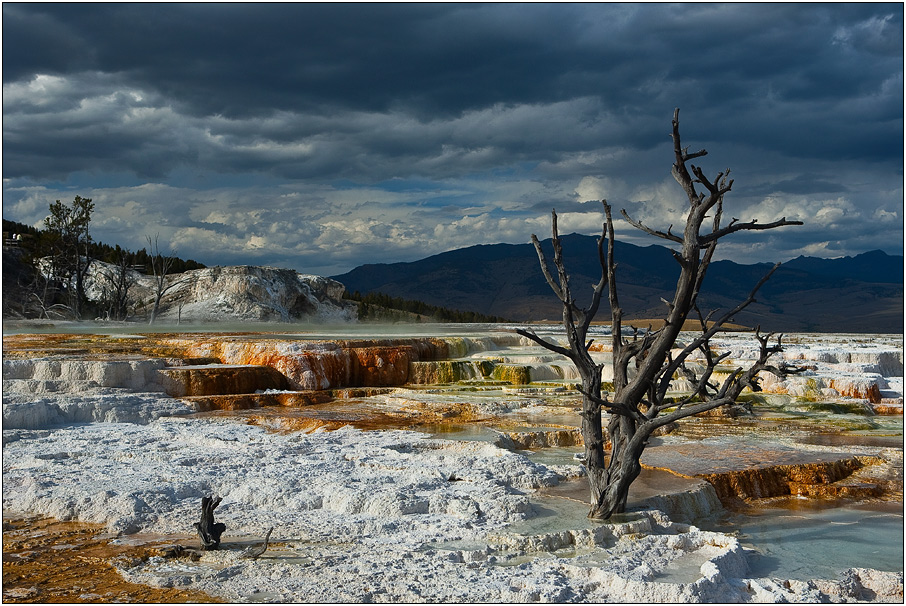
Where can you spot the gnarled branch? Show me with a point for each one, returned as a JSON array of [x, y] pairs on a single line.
[[544, 267], [706, 335], [648, 230], [529, 334], [752, 225]]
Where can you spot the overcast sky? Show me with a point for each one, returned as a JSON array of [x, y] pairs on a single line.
[[321, 137]]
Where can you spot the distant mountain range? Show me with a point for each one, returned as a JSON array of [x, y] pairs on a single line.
[[852, 294]]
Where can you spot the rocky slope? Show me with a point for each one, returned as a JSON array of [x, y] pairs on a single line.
[[237, 293]]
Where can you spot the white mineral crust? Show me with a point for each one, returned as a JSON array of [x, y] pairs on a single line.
[[362, 516], [366, 516]]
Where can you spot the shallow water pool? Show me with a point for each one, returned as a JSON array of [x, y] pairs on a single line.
[[806, 539]]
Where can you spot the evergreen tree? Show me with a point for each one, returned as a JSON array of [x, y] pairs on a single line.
[[69, 240]]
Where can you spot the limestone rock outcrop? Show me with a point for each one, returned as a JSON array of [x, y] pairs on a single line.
[[237, 293]]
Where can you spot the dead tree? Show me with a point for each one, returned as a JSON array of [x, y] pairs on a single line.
[[208, 530], [639, 404], [118, 280], [160, 266], [40, 297]]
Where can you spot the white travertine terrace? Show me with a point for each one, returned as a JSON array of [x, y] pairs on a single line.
[[358, 516]]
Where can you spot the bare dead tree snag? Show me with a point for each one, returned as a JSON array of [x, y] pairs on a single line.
[[208, 530], [117, 280], [639, 405], [161, 266]]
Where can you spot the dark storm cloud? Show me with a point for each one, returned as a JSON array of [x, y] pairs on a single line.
[[496, 109], [768, 73], [238, 59]]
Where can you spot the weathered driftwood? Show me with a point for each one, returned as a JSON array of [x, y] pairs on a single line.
[[208, 530], [258, 549]]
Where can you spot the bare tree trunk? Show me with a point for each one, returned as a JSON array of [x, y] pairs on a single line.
[[157, 298], [80, 273], [612, 490], [593, 436]]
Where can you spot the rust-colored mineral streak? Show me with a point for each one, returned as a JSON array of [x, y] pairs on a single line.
[[48, 561]]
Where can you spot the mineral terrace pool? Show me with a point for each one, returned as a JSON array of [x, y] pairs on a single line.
[[807, 539], [505, 414]]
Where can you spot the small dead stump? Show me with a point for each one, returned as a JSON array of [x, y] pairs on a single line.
[[208, 530]]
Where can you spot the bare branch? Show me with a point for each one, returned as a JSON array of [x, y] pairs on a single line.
[[707, 334], [680, 173], [558, 263], [544, 343], [599, 287], [709, 253], [613, 407], [616, 313], [648, 230], [682, 413], [546, 270], [750, 377], [687, 156], [717, 188], [753, 225]]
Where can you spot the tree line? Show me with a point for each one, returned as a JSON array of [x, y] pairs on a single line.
[[380, 307], [33, 241], [46, 277]]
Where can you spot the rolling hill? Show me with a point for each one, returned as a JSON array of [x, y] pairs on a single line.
[[851, 294]]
